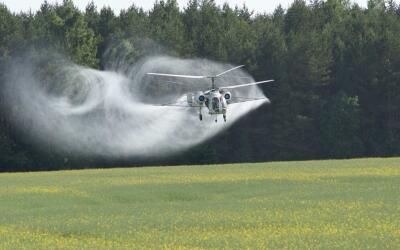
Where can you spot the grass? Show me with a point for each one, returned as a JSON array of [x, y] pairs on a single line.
[[347, 204]]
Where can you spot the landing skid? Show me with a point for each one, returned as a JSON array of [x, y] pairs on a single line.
[[216, 118], [212, 114]]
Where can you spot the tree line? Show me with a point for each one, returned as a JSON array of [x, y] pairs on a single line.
[[336, 64]]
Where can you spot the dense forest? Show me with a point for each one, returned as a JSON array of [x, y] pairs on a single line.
[[336, 66]]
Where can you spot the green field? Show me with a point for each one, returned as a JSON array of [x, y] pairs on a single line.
[[349, 204]]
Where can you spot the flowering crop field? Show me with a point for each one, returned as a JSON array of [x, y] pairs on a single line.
[[342, 204]]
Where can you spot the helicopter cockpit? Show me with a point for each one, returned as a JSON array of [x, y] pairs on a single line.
[[215, 103]]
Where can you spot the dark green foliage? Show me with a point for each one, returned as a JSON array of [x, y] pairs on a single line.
[[337, 68], [166, 25], [341, 127]]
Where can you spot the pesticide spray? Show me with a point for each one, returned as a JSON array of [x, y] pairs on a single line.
[[114, 113]]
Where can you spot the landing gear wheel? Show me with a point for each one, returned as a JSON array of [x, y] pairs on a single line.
[[225, 118], [200, 117]]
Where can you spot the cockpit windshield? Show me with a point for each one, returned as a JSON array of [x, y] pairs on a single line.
[[215, 103]]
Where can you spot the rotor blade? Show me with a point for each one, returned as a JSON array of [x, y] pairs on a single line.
[[179, 76], [236, 77], [173, 82], [223, 73], [177, 105], [245, 85], [242, 100]]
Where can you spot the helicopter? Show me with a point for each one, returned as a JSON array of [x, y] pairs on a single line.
[[215, 99]]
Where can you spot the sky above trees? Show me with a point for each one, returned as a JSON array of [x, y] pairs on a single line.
[[117, 5]]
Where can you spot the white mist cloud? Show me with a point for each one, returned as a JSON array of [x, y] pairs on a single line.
[[109, 113]]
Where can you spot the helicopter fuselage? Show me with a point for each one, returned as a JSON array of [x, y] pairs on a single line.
[[215, 100], [215, 103]]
